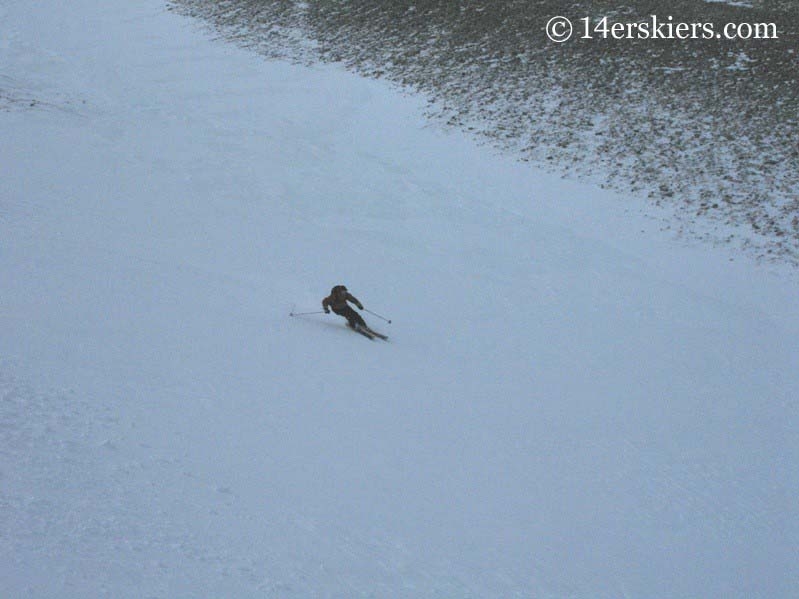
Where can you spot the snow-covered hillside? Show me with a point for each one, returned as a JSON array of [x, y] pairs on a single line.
[[572, 403], [704, 128]]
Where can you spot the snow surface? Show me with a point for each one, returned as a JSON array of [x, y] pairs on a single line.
[[572, 404]]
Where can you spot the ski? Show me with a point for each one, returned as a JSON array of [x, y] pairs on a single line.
[[376, 334], [365, 332]]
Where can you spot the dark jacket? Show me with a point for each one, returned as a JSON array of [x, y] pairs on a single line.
[[338, 298]]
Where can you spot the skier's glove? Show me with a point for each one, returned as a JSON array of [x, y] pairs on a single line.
[[327, 311]]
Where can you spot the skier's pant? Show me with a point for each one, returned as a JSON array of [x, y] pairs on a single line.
[[353, 318]]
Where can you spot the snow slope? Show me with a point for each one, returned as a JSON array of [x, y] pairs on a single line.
[[572, 403]]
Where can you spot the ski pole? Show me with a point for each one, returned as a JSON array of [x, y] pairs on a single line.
[[305, 313], [378, 315]]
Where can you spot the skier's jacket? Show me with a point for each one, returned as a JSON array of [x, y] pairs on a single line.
[[338, 298]]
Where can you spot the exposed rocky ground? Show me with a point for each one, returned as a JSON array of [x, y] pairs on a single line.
[[708, 129]]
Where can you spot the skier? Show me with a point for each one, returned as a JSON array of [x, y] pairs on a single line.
[[337, 300]]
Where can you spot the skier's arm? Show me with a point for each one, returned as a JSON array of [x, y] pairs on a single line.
[[354, 300], [326, 304]]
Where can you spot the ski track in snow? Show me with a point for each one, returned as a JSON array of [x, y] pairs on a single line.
[[571, 405]]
